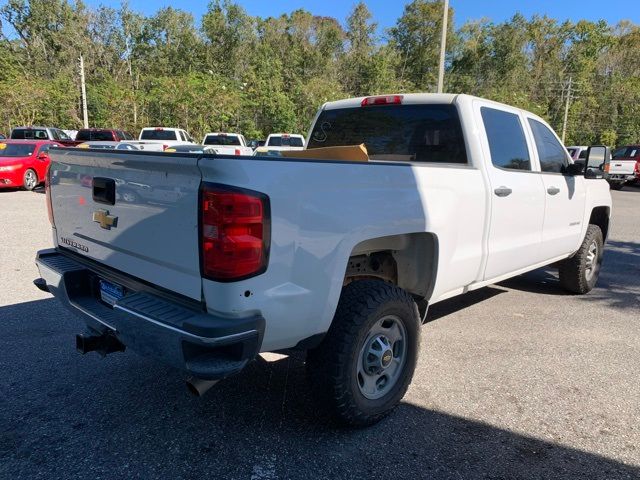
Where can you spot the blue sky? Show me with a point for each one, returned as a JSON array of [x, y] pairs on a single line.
[[387, 11]]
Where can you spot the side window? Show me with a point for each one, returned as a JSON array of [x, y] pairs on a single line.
[[44, 149], [552, 155], [54, 134], [583, 154], [61, 134], [507, 142]]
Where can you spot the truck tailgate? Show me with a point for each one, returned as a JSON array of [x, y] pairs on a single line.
[[150, 231], [622, 167]]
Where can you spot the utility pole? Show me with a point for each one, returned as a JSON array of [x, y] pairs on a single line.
[[443, 45], [85, 115], [566, 111]]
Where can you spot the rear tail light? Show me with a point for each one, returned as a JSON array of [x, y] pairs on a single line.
[[235, 232], [382, 100], [237, 151], [164, 147], [47, 190]]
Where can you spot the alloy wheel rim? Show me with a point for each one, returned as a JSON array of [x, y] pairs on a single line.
[[591, 261], [30, 179], [382, 357]]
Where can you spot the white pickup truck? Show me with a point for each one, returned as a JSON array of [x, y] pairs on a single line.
[[284, 141], [622, 167], [228, 143], [337, 258], [161, 138]]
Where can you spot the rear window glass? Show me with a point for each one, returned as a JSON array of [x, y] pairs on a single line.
[[98, 135], [626, 152], [415, 133], [222, 140], [158, 135], [29, 134], [16, 150], [280, 141]]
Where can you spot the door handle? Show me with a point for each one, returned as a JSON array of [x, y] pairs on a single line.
[[553, 190], [503, 191]]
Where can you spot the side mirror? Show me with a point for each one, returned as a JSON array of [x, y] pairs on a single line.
[[43, 156], [597, 157]]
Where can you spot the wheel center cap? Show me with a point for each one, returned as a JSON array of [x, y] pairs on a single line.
[[387, 356]]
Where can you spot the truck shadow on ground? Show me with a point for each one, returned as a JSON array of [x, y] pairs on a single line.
[[618, 285], [67, 416]]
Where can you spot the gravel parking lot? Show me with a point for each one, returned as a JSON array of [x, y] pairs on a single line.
[[517, 380]]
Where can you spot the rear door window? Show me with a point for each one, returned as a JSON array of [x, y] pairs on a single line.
[[507, 143], [411, 133], [60, 134], [552, 155]]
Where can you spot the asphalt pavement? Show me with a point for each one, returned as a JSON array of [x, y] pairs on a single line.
[[516, 380]]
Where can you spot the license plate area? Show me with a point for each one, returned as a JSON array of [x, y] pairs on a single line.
[[110, 292]]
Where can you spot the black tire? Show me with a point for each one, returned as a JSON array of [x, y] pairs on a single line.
[[575, 273], [332, 367], [30, 179], [616, 185]]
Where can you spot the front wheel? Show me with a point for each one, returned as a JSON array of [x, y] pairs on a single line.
[[579, 273], [30, 179], [366, 362]]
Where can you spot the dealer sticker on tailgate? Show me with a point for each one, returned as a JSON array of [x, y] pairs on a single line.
[[110, 293]]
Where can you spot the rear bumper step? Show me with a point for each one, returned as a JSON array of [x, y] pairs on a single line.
[[206, 346]]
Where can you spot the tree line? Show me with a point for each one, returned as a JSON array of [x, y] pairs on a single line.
[[232, 71]]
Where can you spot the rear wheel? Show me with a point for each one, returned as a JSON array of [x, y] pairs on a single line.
[[616, 185], [365, 364], [30, 179], [579, 273]]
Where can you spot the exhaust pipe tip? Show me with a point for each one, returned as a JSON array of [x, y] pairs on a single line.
[[198, 386], [103, 344]]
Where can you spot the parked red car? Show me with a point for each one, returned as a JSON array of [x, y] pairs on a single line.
[[629, 152], [23, 163]]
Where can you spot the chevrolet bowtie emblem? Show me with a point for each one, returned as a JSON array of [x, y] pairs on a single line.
[[105, 220]]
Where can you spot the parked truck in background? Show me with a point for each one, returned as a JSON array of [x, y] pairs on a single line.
[[284, 141], [43, 133], [103, 135], [227, 143], [625, 164], [161, 138], [340, 259]]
